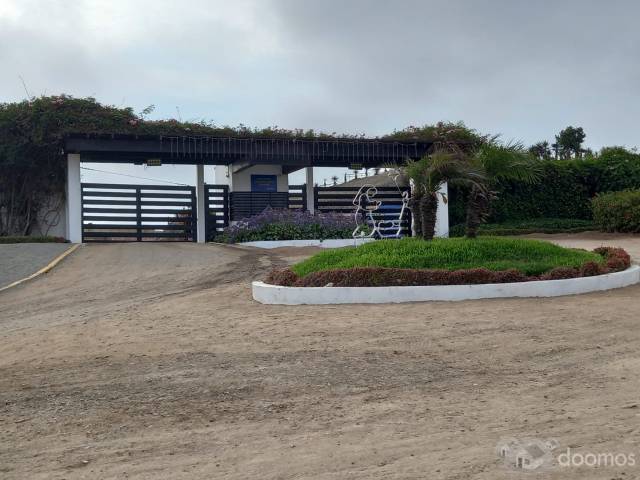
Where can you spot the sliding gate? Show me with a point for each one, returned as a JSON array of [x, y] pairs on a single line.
[[138, 213]]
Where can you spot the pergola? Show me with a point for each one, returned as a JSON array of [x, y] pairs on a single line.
[[240, 158]]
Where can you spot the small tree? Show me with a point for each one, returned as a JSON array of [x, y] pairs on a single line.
[[569, 142], [540, 150], [496, 162], [429, 174]]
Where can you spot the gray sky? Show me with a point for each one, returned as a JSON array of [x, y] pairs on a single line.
[[521, 68]]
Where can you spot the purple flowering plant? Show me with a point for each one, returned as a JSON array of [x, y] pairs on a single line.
[[287, 224]]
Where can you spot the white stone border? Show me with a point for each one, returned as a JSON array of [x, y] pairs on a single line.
[[277, 295], [329, 243]]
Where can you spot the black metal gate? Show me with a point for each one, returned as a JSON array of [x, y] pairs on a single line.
[[216, 199], [137, 213], [298, 197]]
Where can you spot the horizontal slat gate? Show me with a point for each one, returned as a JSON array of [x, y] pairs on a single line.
[[246, 204], [298, 197], [135, 213], [217, 206], [340, 199]]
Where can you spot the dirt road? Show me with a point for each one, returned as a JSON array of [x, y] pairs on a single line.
[[152, 362]]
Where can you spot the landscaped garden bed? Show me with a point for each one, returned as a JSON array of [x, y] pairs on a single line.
[[414, 262], [285, 224]]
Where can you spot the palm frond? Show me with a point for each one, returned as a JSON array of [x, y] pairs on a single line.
[[450, 168], [510, 161]]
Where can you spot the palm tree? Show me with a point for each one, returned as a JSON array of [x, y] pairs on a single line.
[[541, 150], [497, 162], [429, 174]]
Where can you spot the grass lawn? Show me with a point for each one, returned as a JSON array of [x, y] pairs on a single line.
[[531, 257]]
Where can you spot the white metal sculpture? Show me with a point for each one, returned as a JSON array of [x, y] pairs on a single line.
[[367, 209], [366, 226]]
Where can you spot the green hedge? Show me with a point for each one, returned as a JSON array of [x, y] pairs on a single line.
[[26, 239], [534, 225], [564, 191], [617, 211], [613, 170]]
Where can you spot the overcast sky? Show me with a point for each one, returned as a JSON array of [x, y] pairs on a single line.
[[521, 68]]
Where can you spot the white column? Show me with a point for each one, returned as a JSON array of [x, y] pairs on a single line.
[[442, 217], [310, 188], [201, 204], [74, 199], [412, 187]]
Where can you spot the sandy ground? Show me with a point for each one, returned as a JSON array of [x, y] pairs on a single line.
[[152, 362], [19, 260]]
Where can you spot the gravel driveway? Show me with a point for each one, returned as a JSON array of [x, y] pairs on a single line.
[[19, 260], [145, 361]]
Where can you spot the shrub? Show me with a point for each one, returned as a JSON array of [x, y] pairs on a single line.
[[616, 168], [560, 273], [591, 269], [287, 224], [617, 211], [387, 277], [282, 276], [617, 259]]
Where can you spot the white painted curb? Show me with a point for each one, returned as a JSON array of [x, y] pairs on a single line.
[[277, 295], [329, 243]]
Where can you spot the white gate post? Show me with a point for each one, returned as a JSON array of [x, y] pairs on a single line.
[[74, 199], [311, 208], [442, 216], [201, 210]]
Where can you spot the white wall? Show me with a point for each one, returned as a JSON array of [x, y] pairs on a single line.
[[241, 181], [220, 175], [74, 199], [52, 219], [442, 215]]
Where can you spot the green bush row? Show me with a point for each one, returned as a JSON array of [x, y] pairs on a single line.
[[534, 225], [26, 239], [617, 211], [564, 191]]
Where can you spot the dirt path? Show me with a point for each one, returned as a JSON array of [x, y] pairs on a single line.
[[152, 362]]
